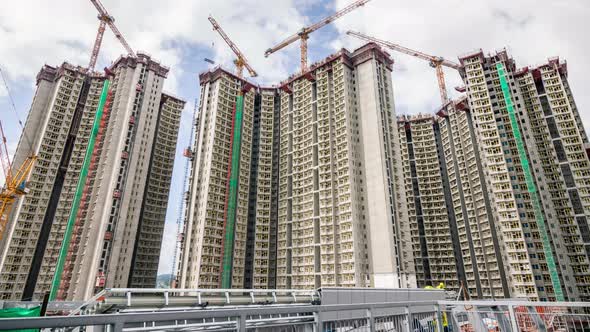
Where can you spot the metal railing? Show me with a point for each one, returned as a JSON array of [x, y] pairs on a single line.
[[117, 299], [391, 316], [407, 316], [513, 316]]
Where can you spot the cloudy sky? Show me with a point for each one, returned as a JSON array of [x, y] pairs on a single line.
[[177, 32]]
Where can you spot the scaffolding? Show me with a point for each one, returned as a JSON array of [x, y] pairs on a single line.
[[84, 201], [79, 192]]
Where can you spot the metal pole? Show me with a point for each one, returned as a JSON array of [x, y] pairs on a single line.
[[117, 327], [242, 323], [44, 304], [513, 321], [318, 322], [437, 312], [371, 319], [408, 319]]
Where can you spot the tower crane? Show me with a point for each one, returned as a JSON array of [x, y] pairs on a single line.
[[14, 184], [105, 19], [435, 61], [15, 181], [240, 60], [303, 34]]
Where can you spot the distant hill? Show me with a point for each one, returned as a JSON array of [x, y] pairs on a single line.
[[163, 280]]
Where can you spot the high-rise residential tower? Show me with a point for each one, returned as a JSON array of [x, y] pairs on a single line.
[[116, 240], [427, 205], [532, 147], [453, 231], [477, 244], [553, 127], [294, 186]]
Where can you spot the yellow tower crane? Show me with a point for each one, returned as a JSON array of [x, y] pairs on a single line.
[[240, 60], [434, 61], [303, 34], [15, 181]]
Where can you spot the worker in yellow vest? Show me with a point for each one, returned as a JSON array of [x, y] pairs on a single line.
[[445, 322]]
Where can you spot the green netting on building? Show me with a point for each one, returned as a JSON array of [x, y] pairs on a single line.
[[78, 195], [20, 313], [233, 195], [530, 183]]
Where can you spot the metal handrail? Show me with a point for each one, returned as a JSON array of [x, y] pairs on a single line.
[[407, 313], [117, 321], [93, 300], [516, 303]]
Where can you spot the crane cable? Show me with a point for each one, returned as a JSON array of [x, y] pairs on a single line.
[[20, 123]]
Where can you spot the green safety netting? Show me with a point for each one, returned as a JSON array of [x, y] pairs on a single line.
[[232, 199], [530, 183], [78, 195], [20, 313]]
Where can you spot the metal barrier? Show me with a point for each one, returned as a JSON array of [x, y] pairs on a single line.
[[516, 316], [393, 316], [399, 316]]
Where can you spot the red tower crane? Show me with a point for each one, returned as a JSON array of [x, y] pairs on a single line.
[[105, 19], [240, 60], [303, 34], [435, 61]]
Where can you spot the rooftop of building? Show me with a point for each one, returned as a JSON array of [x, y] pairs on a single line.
[[454, 105], [356, 57], [51, 73], [554, 62], [144, 58], [169, 95]]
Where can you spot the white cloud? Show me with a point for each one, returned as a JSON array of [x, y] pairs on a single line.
[[3, 92], [36, 32], [532, 31]]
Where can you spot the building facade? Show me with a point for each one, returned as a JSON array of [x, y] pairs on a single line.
[[316, 203], [554, 127], [532, 146], [427, 204], [121, 208], [470, 210]]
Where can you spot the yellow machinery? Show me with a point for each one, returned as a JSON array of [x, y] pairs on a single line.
[[15, 182]]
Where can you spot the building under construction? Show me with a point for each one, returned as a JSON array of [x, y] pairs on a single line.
[[118, 228], [453, 236], [497, 184], [489, 195], [313, 182], [427, 206], [317, 167], [532, 147], [471, 214]]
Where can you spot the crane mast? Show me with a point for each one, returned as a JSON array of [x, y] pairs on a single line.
[[14, 185], [303, 34], [105, 19], [5, 157], [435, 61], [240, 60]]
